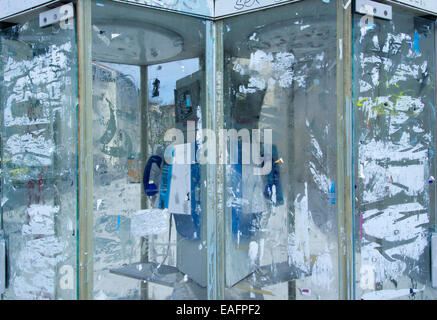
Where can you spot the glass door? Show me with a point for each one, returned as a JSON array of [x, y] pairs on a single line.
[[38, 110], [148, 113], [280, 103], [394, 153]]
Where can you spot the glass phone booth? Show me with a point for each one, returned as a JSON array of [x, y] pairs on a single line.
[[166, 151]]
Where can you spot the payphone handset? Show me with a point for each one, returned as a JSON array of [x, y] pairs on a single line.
[[253, 194], [179, 190], [150, 187]]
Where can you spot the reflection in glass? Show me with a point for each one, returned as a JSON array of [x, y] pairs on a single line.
[[148, 82], [280, 75], [394, 95], [38, 102]]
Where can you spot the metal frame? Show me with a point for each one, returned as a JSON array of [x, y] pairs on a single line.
[[85, 215], [378, 10], [433, 239], [215, 173], [344, 149], [181, 7], [210, 9], [144, 122]]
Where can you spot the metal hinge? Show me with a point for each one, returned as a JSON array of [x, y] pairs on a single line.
[[63, 14], [374, 9]]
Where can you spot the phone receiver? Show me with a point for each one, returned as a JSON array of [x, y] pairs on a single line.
[[151, 189], [273, 179]]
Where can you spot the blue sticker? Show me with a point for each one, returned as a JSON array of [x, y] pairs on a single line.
[[417, 42], [332, 193]]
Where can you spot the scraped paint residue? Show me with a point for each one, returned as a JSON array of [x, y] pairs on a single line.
[[393, 163]]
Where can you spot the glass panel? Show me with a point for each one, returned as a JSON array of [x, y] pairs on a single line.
[[394, 146], [116, 148], [281, 211], [148, 102], [38, 101]]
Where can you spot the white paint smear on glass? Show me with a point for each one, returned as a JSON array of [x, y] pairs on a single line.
[[41, 220]]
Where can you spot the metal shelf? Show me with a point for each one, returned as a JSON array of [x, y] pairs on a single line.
[[185, 288]]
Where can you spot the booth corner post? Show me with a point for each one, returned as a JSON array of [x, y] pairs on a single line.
[[85, 215], [215, 173], [344, 149]]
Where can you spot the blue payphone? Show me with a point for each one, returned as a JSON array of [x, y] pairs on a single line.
[[246, 217], [179, 191]]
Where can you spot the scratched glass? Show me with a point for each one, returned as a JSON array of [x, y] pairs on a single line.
[[281, 226], [38, 103], [148, 82], [394, 147]]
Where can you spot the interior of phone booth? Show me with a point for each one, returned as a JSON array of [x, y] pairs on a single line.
[[147, 78], [149, 208], [290, 144]]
